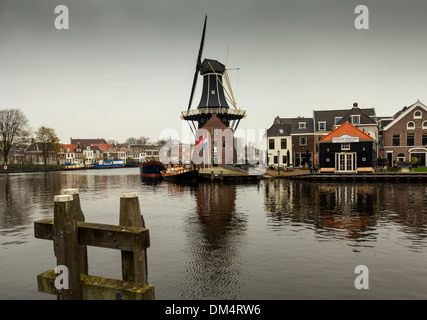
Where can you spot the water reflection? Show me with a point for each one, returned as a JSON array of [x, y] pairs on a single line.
[[214, 236], [345, 210]]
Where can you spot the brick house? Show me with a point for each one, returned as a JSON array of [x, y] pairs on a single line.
[[35, 153], [405, 137]]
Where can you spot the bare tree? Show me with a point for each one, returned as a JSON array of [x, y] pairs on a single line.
[[131, 140], [14, 130], [48, 139]]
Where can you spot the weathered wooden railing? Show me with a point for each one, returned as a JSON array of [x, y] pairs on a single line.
[[71, 235]]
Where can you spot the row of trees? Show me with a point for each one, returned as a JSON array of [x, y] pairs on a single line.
[[15, 132]]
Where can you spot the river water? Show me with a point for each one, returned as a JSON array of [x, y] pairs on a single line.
[[275, 239]]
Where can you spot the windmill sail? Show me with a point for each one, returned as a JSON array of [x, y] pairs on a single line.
[[198, 64]]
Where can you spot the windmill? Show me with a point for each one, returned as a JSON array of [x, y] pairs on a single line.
[[216, 96]]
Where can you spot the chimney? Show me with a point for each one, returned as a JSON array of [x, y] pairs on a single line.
[[355, 105]]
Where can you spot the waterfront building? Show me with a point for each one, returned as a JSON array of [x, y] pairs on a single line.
[[36, 152], [298, 139], [279, 144], [324, 121], [347, 149], [71, 154], [405, 136]]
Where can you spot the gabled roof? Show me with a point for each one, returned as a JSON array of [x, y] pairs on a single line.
[[278, 130], [88, 141], [355, 111], [39, 146], [346, 129], [329, 116], [294, 124], [402, 113]]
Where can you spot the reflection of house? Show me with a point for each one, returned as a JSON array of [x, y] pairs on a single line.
[[36, 153], [405, 136], [347, 149]]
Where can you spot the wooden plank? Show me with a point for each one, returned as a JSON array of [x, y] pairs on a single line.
[[65, 238], [98, 288], [134, 264], [79, 216], [100, 235]]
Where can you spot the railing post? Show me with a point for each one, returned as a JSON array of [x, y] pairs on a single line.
[[65, 239], [134, 263], [82, 253]]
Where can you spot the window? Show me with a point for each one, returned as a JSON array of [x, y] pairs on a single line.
[[401, 157], [337, 119], [410, 125], [396, 140], [302, 125], [425, 125], [345, 146], [283, 143], [281, 131], [424, 142], [302, 141], [276, 159], [322, 125], [284, 159], [410, 139], [418, 114], [355, 119], [271, 144]]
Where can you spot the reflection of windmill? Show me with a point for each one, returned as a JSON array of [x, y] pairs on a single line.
[[215, 95]]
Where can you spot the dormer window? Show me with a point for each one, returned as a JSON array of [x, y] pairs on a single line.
[[418, 114], [410, 125], [322, 125], [355, 119], [302, 125]]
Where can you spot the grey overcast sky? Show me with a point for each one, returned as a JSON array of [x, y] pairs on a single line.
[[125, 68]]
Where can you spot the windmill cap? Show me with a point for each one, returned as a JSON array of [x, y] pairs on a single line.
[[208, 65]]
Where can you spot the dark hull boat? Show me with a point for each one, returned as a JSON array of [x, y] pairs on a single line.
[[180, 173], [151, 169]]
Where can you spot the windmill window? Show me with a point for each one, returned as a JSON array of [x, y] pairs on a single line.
[[212, 91]]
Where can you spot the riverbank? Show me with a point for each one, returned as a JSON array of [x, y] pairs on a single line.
[[17, 168]]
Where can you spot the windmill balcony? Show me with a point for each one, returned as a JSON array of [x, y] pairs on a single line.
[[193, 114]]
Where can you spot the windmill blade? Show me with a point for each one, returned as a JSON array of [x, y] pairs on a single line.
[[198, 64]]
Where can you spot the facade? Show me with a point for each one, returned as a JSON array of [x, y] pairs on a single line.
[[405, 136], [347, 149], [36, 153], [279, 145], [324, 121], [297, 139]]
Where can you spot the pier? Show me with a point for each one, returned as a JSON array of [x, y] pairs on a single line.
[[378, 176], [71, 235]]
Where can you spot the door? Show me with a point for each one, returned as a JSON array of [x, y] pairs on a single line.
[[345, 162]]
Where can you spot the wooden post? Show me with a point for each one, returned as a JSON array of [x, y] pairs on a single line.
[[79, 216], [212, 175], [221, 176], [65, 239], [134, 263]]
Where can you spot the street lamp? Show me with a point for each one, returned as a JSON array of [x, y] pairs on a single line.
[[278, 162]]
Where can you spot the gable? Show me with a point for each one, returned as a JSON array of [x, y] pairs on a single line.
[[409, 111], [346, 133]]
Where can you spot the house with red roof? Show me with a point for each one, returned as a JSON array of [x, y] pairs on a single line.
[[347, 149]]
